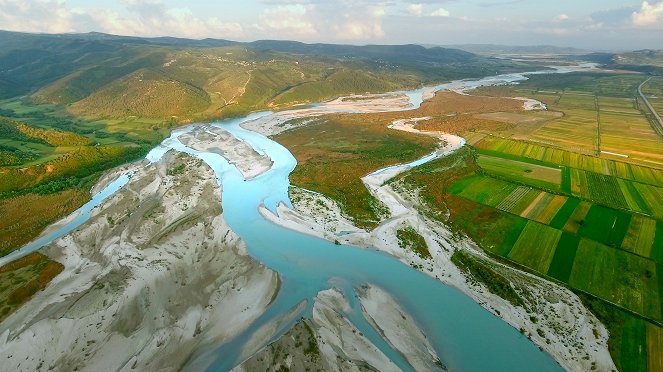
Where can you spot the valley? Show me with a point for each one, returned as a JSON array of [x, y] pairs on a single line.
[[391, 206]]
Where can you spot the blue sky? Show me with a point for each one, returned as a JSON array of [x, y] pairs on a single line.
[[590, 24]]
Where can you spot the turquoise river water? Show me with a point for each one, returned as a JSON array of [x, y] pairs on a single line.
[[465, 336]]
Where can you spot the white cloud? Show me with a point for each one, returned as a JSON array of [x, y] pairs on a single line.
[[35, 16], [359, 23], [289, 20], [153, 18], [648, 15], [561, 18], [415, 9], [441, 12]]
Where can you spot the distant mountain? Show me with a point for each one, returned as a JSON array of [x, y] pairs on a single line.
[[498, 50], [649, 61], [388, 53], [106, 76]]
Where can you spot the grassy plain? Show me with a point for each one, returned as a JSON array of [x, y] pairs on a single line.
[[335, 152], [25, 216]]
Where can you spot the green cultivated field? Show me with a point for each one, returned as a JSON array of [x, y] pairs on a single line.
[[535, 248], [605, 225], [482, 189], [565, 254], [633, 280], [579, 200], [640, 235], [527, 173]]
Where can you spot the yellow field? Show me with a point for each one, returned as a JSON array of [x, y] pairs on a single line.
[[535, 247], [619, 167], [654, 348], [639, 238], [573, 224], [631, 135], [551, 209]]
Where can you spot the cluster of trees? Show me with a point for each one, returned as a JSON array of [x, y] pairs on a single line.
[[10, 155]]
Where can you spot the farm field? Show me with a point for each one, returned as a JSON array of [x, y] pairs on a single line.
[[654, 347], [602, 116], [537, 175], [634, 282], [559, 207], [563, 229], [599, 230], [559, 247], [535, 248], [640, 236]]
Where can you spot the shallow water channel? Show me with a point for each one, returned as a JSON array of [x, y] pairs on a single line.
[[465, 336]]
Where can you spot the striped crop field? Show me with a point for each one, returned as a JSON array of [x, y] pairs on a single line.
[[535, 247], [551, 209], [632, 284], [522, 172], [544, 208], [580, 100], [654, 347], [653, 197], [619, 168], [640, 236], [598, 188], [631, 135], [618, 105], [649, 176], [518, 200], [577, 131], [633, 197]]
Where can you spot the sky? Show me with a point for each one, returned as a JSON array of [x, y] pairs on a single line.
[[586, 24]]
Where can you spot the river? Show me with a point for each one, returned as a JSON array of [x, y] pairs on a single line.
[[466, 336]]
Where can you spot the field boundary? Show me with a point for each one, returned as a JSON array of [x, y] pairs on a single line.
[[658, 129]]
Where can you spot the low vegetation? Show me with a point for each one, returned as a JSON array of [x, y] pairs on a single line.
[[408, 238], [25, 216], [482, 272], [21, 279], [334, 152]]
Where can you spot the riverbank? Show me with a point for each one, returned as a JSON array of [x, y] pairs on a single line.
[[313, 214], [330, 341], [135, 292], [282, 121]]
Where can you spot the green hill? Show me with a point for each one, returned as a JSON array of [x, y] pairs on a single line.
[[147, 93], [113, 77], [647, 61]]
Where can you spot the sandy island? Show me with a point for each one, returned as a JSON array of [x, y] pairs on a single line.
[[153, 276]]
